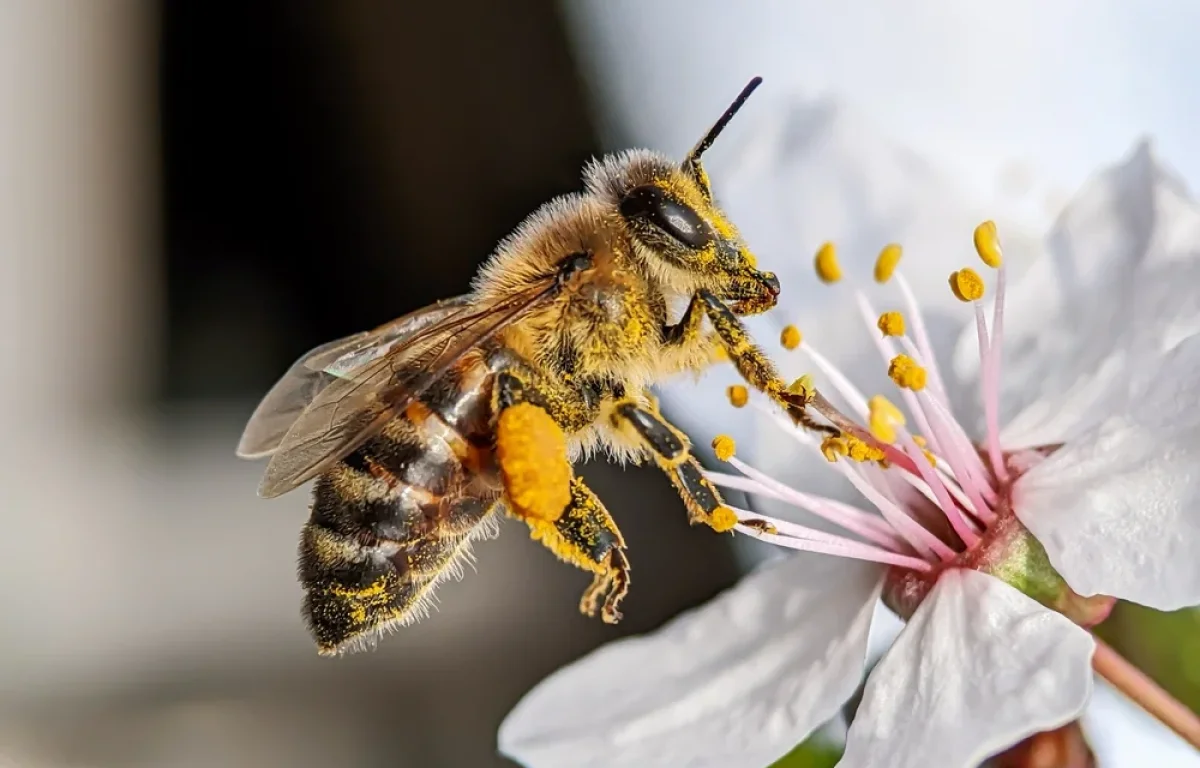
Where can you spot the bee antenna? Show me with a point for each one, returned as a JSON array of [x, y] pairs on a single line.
[[693, 157]]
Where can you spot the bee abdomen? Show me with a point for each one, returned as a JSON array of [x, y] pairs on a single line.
[[357, 590]]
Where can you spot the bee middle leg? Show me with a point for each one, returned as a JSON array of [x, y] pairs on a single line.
[[671, 451]]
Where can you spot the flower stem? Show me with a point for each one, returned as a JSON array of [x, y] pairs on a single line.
[[1146, 693]]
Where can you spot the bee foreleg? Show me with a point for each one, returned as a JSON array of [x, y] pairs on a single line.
[[671, 452], [754, 365], [586, 536]]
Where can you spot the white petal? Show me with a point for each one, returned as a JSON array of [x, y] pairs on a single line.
[[1112, 294], [1122, 733], [1118, 509], [979, 667], [737, 682]]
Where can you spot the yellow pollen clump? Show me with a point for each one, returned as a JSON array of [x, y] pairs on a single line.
[[860, 451], [851, 447], [532, 452], [802, 386], [987, 244], [720, 355], [724, 447], [884, 419], [750, 259], [891, 324], [723, 519], [827, 265], [906, 373], [966, 284], [889, 259], [737, 394], [790, 337]]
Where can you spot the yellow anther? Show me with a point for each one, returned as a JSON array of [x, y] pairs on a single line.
[[860, 451], [966, 284], [930, 457], [790, 337], [884, 419], [531, 449], [906, 373], [802, 386], [828, 268], [891, 324], [723, 519], [920, 441], [832, 447], [724, 447], [889, 259], [987, 244], [737, 394]]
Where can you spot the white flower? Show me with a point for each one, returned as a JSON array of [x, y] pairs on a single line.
[[1097, 460]]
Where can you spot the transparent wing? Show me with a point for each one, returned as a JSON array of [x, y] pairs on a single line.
[[355, 405], [321, 366]]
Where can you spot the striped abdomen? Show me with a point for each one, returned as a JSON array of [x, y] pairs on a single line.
[[396, 516]]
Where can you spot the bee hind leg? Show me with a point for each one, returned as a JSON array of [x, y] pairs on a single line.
[[671, 451], [586, 536], [540, 488]]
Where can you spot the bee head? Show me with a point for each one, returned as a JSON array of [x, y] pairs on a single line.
[[676, 228]]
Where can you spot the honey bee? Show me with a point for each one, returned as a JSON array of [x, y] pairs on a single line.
[[422, 432]]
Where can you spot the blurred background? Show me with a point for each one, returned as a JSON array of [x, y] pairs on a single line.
[[194, 193]]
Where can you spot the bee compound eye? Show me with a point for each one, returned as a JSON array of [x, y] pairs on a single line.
[[651, 204]]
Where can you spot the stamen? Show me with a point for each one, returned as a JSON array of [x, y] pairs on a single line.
[[724, 447], [851, 551], [884, 419], [921, 334], [987, 244], [790, 337], [905, 372], [891, 324], [853, 397], [870, 527], [947, 505], [966, 284], [738, 395], [828, 268], [956, 459], [856, 552], [889, 259], [887, 352]]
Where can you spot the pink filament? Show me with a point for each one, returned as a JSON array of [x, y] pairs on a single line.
[[991, 382], [848, 549]]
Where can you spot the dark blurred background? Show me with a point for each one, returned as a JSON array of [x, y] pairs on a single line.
[[280, 174]]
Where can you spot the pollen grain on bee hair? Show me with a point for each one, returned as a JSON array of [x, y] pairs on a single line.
[[421, 433]]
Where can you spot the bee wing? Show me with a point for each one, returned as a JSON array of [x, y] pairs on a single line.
[[321, 366], [360, 400]]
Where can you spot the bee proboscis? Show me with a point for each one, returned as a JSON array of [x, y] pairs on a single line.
[[420, 433]]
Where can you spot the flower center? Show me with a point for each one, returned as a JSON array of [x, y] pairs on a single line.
[[940, 500]]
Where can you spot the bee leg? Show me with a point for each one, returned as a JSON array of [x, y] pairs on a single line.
[[754, 365], [541, 489], [586, 536], [670, 450]]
